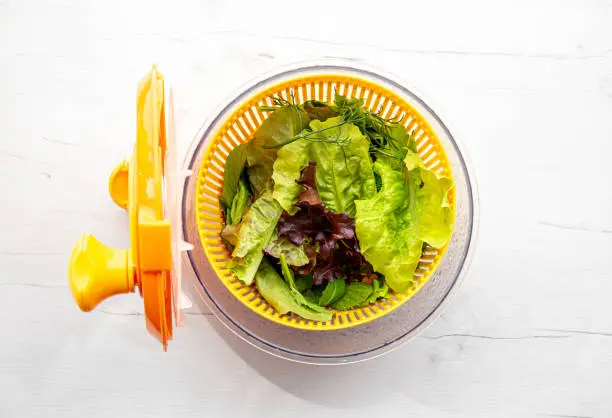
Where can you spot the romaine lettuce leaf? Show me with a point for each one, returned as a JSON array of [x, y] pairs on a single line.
[[259, 178], [241, 200], [291, 160], [278, 294], [295, 254], [231, 174], [229, 234], [255, 233], [284, 123], [344, 171]]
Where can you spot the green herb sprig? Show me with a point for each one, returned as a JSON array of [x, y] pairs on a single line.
[[371, 124]]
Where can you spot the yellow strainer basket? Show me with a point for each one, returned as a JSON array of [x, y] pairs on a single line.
[[240, 126]]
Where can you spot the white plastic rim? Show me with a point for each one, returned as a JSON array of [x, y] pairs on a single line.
[[174, 178], [362, 342]]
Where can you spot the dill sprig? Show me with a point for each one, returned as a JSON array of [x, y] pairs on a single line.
[[371, 124], [278, 102]]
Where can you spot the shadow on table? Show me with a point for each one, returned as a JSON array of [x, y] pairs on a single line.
[[357, 385]]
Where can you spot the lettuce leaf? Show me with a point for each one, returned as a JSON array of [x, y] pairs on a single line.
[[229, 234], [299, 298], [295, 254], [308, 180], [333, 292], [435, 217], [344, 171], [259, 178], [386, 228], [325, 230], [411, 208], [303, 283], [241, 200], [381, 290], [291, 160], [231, 174], [314, 294], [255, 234], [283, 124], [356, 294], [278, 294]]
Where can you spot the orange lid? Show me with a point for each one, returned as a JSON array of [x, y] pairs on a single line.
[[97, 271]]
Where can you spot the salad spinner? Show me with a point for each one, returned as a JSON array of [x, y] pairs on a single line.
[[176, 256]]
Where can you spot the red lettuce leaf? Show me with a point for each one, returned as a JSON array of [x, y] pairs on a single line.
[[332, 246], [310, 193]]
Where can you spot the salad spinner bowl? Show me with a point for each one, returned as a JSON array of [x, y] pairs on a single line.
[[199, 260]]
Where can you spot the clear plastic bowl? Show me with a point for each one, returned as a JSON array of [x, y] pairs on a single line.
[[361, 342]]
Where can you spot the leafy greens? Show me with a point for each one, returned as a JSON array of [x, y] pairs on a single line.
[[330, 205], [392, 226], [254, 235], [278, 294]]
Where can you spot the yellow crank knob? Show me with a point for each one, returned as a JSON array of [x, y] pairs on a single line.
[[97, 272]]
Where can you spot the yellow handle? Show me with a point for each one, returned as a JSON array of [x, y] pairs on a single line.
[[97, 272]]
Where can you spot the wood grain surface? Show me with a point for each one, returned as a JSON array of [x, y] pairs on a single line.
[[525, 85]]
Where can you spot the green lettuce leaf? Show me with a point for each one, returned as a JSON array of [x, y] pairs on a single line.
[[434, 212], [386, 228], [356, 294], [411, 208], [259, 178], [303, 283], [299, 298], [400, 137], [240, 202], [229, 234], [278, 294], [295, 254], [333, 292], [381, 290], [313, 295], [256, 232], [283, 124], [398, 146], [413, 161], [344, 172], [231, 174], [291, 160]]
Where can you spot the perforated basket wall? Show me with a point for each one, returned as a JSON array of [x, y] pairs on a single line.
[[240, 126]]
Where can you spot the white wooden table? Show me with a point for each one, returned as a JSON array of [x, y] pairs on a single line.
[[527, 85]]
